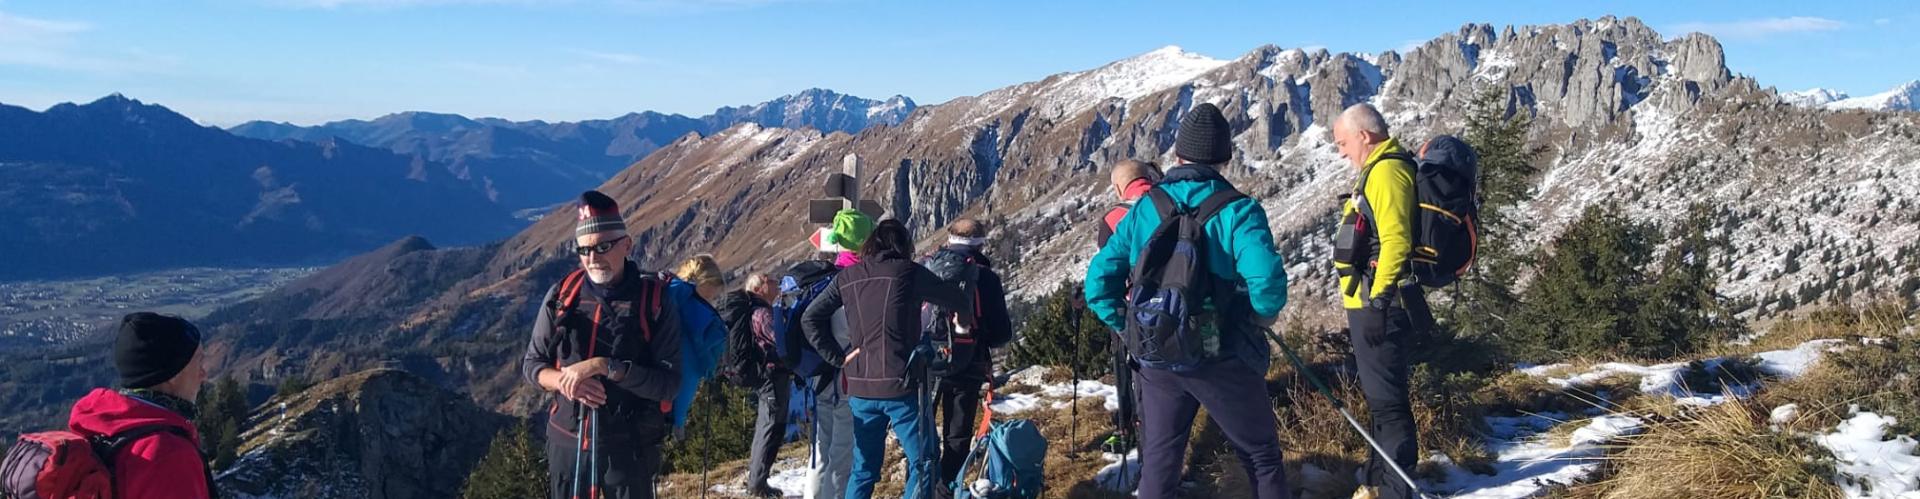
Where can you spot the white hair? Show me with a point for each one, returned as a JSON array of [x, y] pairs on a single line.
[[1364, 117], [757, 281]]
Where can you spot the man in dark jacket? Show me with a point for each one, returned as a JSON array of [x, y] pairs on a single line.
[[958, 392], [883, 369], [604, 341]]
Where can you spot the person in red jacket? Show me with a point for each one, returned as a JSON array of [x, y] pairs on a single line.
[[158, 359], [1131, 179]]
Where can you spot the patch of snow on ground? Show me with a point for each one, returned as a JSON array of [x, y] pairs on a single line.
[[1056, 395], [1784, 414], [1666, 378], [1794, 362], [1871, 466], [789, 477], [1122, 472], [1529, 464]]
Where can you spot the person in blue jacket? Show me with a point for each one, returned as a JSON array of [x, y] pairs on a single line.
[[696, 283], [1240, 250]]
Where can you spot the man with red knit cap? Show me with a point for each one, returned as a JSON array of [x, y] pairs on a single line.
[[607, 342]]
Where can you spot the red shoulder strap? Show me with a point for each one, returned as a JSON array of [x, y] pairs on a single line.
[[570, 290]]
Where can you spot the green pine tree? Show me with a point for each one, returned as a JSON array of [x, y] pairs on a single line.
[[719, 428], [515, 467], [1583, 299], [1682, 310], [1048, 338], [1486, 301], [222, 418], [291, 385]]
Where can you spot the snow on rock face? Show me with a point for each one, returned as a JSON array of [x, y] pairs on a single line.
[[1870, 466], [1127, 79]]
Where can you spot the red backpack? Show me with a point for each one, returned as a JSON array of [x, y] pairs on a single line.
[[65, 465]]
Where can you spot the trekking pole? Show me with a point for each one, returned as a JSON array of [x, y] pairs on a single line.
[[1342, 407], [1073, 365], [593, 467], [580, 438], [706, 443]]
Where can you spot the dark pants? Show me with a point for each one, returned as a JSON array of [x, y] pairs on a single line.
[[627, 464], [1235, 396], [1380, 351], [959, 403], [769, 427]]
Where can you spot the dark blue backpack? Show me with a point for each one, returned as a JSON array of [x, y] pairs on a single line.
[[1016, 455], [1178, 311], [798, 287]]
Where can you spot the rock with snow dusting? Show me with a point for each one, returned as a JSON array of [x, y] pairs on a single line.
[[382, 434]]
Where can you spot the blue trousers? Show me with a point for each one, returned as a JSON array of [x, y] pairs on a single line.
[[911, 425]]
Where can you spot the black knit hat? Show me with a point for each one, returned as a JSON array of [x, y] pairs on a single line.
[[598, 213], [1205, 137], [153, 348]]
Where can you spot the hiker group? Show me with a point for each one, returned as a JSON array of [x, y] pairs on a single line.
[[874, 336], [1187, 275]]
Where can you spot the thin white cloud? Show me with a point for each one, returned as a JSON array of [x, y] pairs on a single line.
[[399, 4], [616, 57], [1408, 46], [1754, 29], [1882, 22], [1312, 48], [15, 28], [53, 44], [635, 6], [488, 70]]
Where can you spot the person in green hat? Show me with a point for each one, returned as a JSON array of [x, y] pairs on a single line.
[[833, 438]]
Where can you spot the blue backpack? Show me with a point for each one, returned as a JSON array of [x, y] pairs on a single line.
[[1016, 457], [798, 287]]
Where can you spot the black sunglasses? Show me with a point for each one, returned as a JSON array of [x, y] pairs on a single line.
[[598, 249]]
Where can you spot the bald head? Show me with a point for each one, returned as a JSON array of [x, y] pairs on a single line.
[[1357, 131], [1128, 170], [967, 227]]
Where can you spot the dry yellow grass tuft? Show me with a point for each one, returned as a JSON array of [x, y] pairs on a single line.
[[1724, 451]]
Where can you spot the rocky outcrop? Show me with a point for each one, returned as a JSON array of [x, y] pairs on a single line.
[[381, 434]]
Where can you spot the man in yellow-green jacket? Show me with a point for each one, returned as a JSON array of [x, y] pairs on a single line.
[[1384, 306]]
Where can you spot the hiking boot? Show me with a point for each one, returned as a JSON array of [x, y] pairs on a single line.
[[762, 490], [1366, 493]]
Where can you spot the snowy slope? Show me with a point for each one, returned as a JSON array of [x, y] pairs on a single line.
[[1901, 98], [1813, 97]]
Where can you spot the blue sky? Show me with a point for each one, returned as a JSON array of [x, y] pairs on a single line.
[[309, 61]]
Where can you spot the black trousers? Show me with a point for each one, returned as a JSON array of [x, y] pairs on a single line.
[[769, 426], [628, 460], [959, 404], [1381, 341]]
